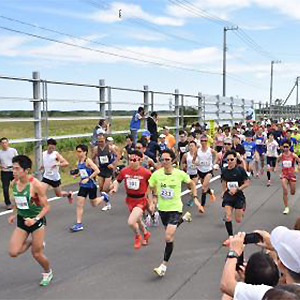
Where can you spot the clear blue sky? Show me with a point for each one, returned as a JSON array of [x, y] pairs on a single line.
[[182, 33]]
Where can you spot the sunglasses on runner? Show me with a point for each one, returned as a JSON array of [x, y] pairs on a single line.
[[230, 159], [203, 141], [286, 146], [165, 159], [138, 148], [134, 159], [227, 144]]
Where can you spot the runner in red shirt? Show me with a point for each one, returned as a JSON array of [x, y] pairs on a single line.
[[135, 179], [288, 176]]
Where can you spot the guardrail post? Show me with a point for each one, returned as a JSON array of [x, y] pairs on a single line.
[[177, 113], [244, 109], [182, 111], [218, 109], [199, 107], [146, 102], [152, 101], [102, 98], [37, 122], [231, 110], [109, 106]]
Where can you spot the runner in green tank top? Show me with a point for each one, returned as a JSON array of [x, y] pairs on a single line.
[[30, 207], [165, 184]]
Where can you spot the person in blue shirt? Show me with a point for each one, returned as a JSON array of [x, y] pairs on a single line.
[[250, 148], [135, 123], [289, 139]]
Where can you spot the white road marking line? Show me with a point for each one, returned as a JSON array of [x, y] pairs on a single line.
[[75, 193]]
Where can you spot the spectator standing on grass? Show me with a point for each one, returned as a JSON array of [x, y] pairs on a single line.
[[6, 156], [135, 123], [152, 122], [103, 128]]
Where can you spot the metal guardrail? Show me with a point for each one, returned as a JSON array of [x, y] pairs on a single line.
[[207, 107]]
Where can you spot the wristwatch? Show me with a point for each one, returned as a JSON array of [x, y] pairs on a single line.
[[36, 218], [232, 254]]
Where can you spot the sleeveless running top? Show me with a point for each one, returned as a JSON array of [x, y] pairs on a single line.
[[85, 172], [27, 206], [49, 160], [205, 160], [191, 167], [288, 164], [104, 157]]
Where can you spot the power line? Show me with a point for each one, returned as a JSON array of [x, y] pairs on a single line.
[[107, 52]]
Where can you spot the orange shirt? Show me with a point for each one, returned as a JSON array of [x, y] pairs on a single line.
[[170, 141]]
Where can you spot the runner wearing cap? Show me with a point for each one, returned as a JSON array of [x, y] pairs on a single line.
[[107, 159], [260, 148], [288, 176], [170, 139], [136, 178], [165, 184], [250, 148]]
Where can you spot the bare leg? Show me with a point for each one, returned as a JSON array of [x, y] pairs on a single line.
[[79, 209], [18, 243]]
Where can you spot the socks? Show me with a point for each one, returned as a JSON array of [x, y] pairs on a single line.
[[168, 251], [269, 175], [203, 198], [229, 228]]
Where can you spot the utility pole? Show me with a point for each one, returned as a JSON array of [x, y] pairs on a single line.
[[226, 28], [297, 92], [271, 85]]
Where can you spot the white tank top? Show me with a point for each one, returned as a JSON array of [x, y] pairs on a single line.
[[205, 160], [49, 160], [191, 167]]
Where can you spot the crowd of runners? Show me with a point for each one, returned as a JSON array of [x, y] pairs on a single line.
[[153, 168]]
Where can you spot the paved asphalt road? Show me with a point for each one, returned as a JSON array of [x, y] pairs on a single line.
[[100, 262]]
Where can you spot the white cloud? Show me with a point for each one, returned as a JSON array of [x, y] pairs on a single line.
[[9, 45], [128, 11], [255, 27]]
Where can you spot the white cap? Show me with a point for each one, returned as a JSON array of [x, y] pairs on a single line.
[[286, 242], [166, 127], [110, 139], [162, 135]]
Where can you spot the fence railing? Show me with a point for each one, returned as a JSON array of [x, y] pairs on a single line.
[[175, 106]]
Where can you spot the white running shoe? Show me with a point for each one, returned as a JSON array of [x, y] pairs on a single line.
[[187, 217], [286, 210], [161, 270], [107, 207]]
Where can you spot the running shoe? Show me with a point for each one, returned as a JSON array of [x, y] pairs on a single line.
[[137, 241], [212, 195], [161, 270], [155, 219], [227, 242], [190, 202], [106, 207], [70, 197], [77, 227], [187, 217], [146, 238], [269, 183], [47, 277], [286, 210]]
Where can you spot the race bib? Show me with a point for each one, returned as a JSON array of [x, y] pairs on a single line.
[[49, 173], [83, 173], [248, 154], [183, 149], [258, 142], [133, 183], [204, 163], [21, 202], [103, 159], [167, 193], [232, 185], [286, 163], [193, 167]]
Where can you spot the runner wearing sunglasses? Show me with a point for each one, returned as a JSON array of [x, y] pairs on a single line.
[[234, 181], [288, 176], [165, 184], [136, 178]]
